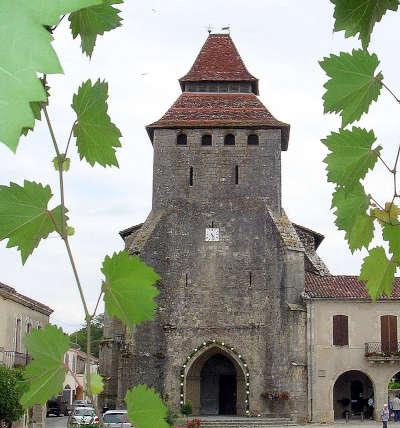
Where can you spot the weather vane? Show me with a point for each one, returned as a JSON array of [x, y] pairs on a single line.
[[211, 29]]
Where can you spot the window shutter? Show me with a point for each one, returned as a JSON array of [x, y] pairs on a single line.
[[389, 333], [340, 330]]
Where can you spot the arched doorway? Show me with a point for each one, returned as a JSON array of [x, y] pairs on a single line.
[[215, 383], [394, 395], [351, 393], [218, 386]]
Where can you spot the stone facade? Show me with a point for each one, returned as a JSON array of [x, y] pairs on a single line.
[[238, 297]]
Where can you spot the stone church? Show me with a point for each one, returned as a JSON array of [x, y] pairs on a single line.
[[230, 334]]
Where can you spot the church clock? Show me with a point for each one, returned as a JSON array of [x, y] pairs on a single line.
[[212, 234]]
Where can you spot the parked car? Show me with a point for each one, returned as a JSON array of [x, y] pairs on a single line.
[[83, 416], [80, 403], [116, 419], [57, 406]]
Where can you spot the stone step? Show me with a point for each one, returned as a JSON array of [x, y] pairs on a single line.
[[239, 422]]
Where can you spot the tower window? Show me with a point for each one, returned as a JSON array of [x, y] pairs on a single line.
[[206, 140], [229, 140], [236, 174], [191, 176], [252, 140], [181, 139]]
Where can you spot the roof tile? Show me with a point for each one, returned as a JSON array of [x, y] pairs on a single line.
[[341, 287], [218, 60]]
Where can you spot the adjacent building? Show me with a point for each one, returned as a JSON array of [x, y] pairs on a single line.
[[74, 382], [19, 315]]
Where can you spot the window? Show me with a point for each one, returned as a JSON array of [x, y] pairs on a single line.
[[29, 328], [252, 140], [340, 330], [236, 174], [191, 176], [229, 140], [389, 333], [206, 140], [181, 140], [18, 336]]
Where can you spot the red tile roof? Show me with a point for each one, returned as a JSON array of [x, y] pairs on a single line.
[[205, 110], [341, 287], [219, 60]]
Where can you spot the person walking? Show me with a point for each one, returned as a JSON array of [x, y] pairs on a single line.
[[385, 415], [370, 404], [396, 408]]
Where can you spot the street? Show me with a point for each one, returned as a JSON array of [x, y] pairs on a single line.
[[56, 422]]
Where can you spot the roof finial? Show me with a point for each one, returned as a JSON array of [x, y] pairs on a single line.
[[209, 29]]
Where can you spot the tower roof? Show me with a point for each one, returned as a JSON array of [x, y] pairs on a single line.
[[219, 60], [213, 110]]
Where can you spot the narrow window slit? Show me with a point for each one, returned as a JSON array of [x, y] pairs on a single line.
[[250, 279], [191, 176], [236, 174], [186, 279]]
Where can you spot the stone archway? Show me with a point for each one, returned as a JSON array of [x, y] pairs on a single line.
[[215, 382], [351, 393]]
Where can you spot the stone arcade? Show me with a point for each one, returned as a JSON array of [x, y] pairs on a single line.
[[240, 318]]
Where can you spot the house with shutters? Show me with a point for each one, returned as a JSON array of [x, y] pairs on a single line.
[[353, 347], [250, 321]]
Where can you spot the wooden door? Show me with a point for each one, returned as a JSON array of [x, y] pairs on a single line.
[[389, 333]]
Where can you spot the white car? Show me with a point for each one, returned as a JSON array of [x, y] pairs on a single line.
[[83, 416], [116, 419]]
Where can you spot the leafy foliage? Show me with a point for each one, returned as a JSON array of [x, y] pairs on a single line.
[[96, 136], [360, 16], [24, 216], [351, 155], [129, 290], [61, 162], [96, 334], [378, 273], [351, 216], [96, 383], [392, 235], [389, 215], [26, 50], [145, 408], [93, 21], [46, 373], [10, 393], [353, 84]]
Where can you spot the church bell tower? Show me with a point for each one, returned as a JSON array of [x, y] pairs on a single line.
[[230, 329]]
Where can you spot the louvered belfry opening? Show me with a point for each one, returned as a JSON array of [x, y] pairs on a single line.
[[340, 330]]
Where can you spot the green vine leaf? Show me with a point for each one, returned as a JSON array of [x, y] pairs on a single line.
[[377, 272], [391, 234], [360, 16], [351, 216], [94, 21], [390, 215], [351, 155], [129, 290], [25, 51], [96, 384], [96, 136], [46, 373], [145, 408], [61, 162], [353, 84], [24, 216]]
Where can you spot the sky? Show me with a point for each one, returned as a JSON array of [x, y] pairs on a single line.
[[280, 41]]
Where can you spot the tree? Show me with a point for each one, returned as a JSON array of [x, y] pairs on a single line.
[[96, 334], [10, 393], [355, 81]]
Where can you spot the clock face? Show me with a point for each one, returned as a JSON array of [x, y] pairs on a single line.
[[212, 234]]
